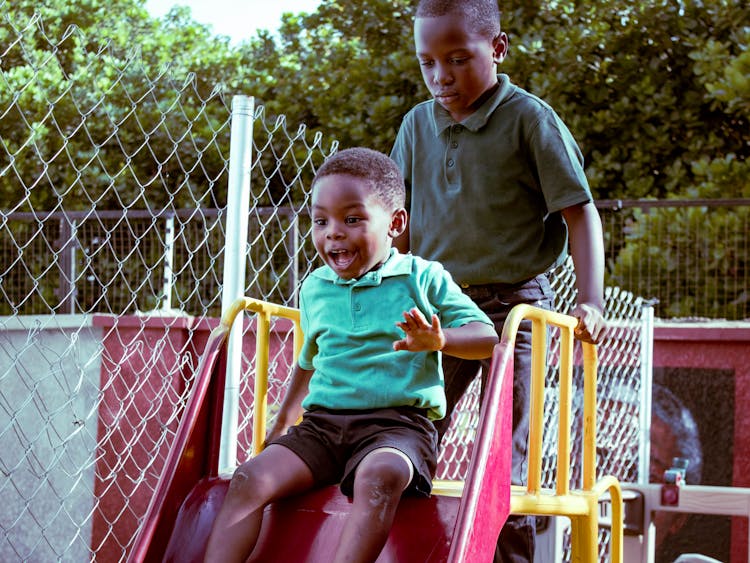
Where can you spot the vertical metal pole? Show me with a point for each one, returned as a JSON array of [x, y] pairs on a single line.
[[67, 242], [538, 369], [167, 281], [233, 288], [647, 372], [71, 266], [292, 243]]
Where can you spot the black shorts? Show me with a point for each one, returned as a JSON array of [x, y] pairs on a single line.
[[332, 443]]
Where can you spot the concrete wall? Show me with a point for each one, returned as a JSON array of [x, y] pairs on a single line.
[[49, 387]]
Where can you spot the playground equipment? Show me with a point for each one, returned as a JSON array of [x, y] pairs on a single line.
[[459, 523], [581, 505]]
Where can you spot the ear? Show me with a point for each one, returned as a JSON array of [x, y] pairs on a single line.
[[398, 223], [500, 45]]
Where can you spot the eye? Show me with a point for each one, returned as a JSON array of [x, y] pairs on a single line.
[[352, 220], [426, 63], [320, 222], [459, 60]]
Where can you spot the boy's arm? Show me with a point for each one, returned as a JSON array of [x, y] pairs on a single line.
[[291, 405], [472, 341], [587, 250]]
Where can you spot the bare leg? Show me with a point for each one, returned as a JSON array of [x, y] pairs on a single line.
[[379, 480], [275, 473]]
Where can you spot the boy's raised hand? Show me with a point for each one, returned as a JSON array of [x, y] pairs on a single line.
[[420, 336]]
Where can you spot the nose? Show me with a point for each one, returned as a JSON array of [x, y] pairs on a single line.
[[334, 231], [442, 74]]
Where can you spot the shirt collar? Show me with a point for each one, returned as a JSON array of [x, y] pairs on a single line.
[[443, 120], [395, 265]]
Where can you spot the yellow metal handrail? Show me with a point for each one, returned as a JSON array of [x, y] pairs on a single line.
[[580, 505], [265, 311]]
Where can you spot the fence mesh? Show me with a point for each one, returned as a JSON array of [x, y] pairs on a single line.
[[112, 232], [113, 196]]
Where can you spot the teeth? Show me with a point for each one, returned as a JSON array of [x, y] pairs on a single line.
[[341, 257]]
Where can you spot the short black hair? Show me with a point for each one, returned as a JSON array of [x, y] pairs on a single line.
[[483, 16], [381, 173]]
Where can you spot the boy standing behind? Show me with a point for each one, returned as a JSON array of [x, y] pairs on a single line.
[[368, 377], [498, 193]]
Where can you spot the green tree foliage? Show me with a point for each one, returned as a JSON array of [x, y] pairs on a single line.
[[102, 105], [347, 68], [648, 88], [345, 71], [657, 92]]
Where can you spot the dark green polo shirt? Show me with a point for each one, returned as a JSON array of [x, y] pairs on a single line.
[[486, 193]]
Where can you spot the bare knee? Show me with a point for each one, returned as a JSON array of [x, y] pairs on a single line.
[[378, 485], [248, 485], [381, 479]]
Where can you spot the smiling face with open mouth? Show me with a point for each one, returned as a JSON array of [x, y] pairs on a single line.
[[352, 229]]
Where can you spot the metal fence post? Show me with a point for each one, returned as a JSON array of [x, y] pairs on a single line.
[[67, 243], [647, 376], [168, 280], [238, 204], [292, 245]]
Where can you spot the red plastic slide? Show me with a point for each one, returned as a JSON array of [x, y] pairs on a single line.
[[306, 528]]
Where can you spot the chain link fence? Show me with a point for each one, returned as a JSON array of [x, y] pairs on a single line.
[[112, 229], [691, 256], [113, 242]]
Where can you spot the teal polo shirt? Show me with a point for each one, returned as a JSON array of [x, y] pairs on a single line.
[[486, 193], [350, 328]]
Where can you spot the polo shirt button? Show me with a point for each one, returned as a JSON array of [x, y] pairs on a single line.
[[450, 162], [357, 307], [454, 144]]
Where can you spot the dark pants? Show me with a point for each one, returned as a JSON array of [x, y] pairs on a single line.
[[517, 538]]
